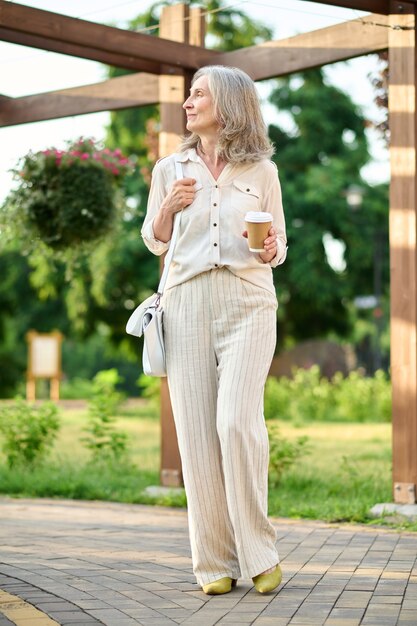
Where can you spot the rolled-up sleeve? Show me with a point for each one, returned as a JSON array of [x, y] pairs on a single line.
[[281, 254], [272, 202], [157, 194]]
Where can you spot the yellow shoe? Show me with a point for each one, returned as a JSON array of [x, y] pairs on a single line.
[[268, 582], [223, 585]]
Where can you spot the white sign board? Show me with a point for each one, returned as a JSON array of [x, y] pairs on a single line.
[[45, 356]]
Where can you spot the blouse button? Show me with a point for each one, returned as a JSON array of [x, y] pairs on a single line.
[[215, 244], [247, 189], [214, 203], [214, 224]]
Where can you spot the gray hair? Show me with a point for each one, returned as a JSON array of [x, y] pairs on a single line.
[[243, 134]]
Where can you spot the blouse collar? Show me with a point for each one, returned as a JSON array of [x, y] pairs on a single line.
[[188, 155]]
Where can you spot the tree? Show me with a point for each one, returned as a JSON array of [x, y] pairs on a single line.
[[101, 290], [319, 159], [21, 310]]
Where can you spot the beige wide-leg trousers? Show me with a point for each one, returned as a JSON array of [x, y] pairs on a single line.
[[220, 334]]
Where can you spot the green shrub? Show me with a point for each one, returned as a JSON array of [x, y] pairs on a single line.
[[283, 453], [29, 431], [104, 442], [304, 397], [150, 389], [76, 389], [362, 399], [310, 397]]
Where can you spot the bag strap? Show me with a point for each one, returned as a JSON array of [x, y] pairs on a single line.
[[177, 221]]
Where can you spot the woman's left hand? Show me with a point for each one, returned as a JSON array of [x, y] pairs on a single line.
[[270, 245]]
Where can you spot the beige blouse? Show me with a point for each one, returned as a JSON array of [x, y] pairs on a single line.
[[211, 227]]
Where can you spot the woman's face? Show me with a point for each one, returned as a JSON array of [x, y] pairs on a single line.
[[199, 108]]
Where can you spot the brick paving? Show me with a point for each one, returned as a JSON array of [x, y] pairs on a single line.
[[86, 563]]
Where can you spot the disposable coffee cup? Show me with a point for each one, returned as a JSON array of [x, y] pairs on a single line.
[[258, 224]]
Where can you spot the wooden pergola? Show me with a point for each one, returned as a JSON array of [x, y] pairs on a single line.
[[164, 66]]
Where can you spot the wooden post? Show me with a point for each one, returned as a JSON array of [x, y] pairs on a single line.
[[176, 23], [30, 389], [403, 251]]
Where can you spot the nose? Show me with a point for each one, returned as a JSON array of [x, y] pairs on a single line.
[[187, 104]]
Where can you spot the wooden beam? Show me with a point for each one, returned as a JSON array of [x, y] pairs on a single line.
[[403, 249], [320, 47], [373, 6], [21, 21], [117, 93], [84, 52]]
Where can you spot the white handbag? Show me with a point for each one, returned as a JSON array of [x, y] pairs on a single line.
[[147, 319]]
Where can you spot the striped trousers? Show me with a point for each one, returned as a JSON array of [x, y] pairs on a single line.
[[220, 334]]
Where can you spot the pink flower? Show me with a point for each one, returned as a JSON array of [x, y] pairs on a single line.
[[117, 152], [85, 156], [115, 171]]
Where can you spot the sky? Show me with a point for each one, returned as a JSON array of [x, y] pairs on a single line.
[[26, 71]]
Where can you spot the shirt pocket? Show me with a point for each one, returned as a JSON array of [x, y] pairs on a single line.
[[245, 197], [197, 203]]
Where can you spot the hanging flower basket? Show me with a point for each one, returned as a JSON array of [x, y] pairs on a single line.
[[68, 197]]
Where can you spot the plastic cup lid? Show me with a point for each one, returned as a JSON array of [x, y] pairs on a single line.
[[258, 217]]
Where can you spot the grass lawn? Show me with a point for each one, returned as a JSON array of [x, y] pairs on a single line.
[[347, 468], [139, 422]]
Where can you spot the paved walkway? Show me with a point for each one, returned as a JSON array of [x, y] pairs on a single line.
[[80, 563]]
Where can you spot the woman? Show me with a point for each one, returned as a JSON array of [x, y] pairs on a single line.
[[220, 324]]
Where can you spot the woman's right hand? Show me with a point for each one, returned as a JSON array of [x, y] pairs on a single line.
[[180, 196]]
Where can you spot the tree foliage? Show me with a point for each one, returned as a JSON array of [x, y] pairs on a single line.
[[380, 80], [98, 292], [319, 158]]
